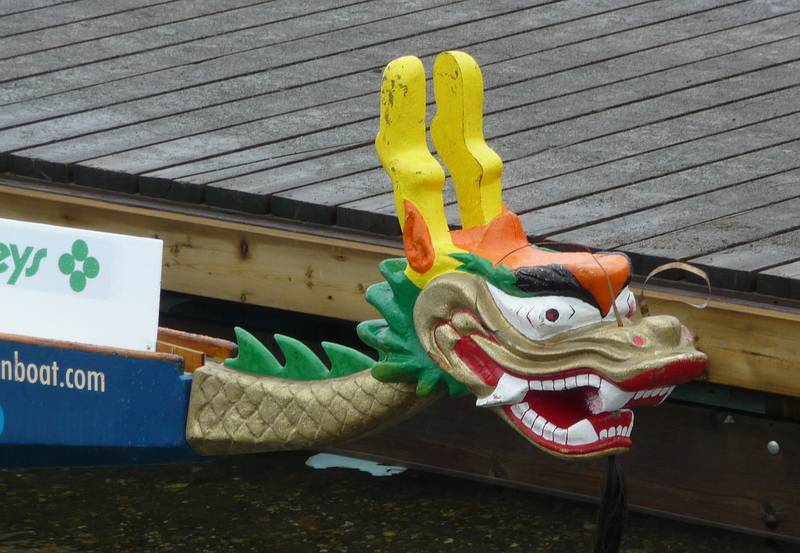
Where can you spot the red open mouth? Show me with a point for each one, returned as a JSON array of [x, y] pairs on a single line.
[[589, 413]]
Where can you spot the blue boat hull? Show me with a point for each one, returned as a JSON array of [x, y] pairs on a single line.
[[67, 404]]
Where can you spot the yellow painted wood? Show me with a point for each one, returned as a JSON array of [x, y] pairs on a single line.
[[457, 133], [402, 147], [749, 345]]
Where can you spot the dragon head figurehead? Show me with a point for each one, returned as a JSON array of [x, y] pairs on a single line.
[[549, 340]]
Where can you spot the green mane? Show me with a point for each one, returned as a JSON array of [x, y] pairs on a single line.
[[402, 357]]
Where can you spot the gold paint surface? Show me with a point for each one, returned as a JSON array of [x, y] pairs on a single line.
[[456, 305], [232, 412], [605, 347]]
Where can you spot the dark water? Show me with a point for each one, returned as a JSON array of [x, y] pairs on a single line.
[[274, 502]]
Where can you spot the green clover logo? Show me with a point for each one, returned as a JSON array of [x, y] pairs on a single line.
[[68, 265]]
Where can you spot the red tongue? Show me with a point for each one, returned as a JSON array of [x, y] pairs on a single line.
[[563, 409]]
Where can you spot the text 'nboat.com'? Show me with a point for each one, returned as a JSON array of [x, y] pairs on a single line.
[[51, 374]]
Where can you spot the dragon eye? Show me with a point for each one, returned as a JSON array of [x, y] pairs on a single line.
[[551, 315]]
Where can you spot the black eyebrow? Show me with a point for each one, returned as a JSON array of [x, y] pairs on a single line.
[[552, 280]]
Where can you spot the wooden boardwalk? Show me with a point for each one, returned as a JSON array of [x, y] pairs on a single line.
[[668, 129]]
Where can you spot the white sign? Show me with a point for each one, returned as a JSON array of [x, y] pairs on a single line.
[[79, 285]]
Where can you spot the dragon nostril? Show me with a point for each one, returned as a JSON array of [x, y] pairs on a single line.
[[666, 330], [638, 341]]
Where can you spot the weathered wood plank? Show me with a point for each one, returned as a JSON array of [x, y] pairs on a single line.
[[255, 79], [707, 163], [737, 268], [295, 123], [133, 99], [210, 58], [163, 42], [344, 40], [718, 234], [24, 45], [201, 146], [250, 179], [317, 203], [782, 281], [498, 70], [611, 158], [62, 14], [689, 186], [11, 7], [22, 109], [604, 219]]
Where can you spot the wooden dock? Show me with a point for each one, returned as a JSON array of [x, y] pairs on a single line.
[[241, 133]]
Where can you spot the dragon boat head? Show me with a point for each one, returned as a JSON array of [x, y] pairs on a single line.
[[551, 341]]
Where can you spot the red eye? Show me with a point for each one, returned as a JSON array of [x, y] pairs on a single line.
[[551, 315]]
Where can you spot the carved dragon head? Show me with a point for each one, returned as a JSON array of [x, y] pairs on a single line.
[[550, 341]]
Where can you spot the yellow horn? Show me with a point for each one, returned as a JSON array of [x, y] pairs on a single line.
[[416, 175], [457, 132]]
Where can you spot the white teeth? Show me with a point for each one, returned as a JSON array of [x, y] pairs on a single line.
[[665, 392], [661, 393], [529, 417], [519, 409], [509, 389], [581, 433], [611, 398], [568, 383]]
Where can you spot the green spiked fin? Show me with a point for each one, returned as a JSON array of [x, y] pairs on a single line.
[[346, 360], [253, 356], [301, 362]]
